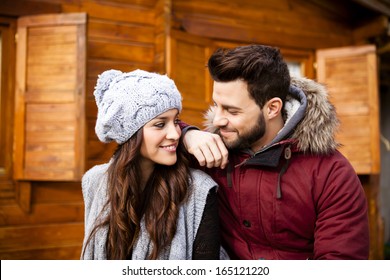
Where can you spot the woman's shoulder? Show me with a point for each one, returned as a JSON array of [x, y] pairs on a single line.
[[200, 179], [96, 172], [98, 168], [93, 179]]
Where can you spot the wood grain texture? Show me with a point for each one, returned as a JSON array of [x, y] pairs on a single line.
[[44, 219], [351, 77]]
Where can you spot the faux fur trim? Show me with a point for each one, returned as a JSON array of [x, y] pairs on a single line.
[[209, 117], [316, 131]]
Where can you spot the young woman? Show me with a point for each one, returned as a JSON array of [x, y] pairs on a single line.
[[146, 203]]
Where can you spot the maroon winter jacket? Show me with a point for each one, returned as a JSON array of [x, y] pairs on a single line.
[[316, 210], [298, 198]]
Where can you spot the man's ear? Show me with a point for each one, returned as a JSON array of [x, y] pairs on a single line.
[[274, 107]]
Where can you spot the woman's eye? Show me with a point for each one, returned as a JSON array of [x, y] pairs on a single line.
[[159, 125], [177, 121]]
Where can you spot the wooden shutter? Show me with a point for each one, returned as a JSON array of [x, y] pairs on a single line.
[[350, 73], [49, 98]]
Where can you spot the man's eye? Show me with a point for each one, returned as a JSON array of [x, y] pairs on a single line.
[[233, 113]]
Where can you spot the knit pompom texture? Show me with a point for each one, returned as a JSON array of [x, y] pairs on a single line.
[[127, 101]]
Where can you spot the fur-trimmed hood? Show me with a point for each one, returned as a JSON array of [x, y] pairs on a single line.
[[311, 118]]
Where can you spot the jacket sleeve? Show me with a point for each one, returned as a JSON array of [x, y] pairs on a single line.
[[193, 162], [342, 229]]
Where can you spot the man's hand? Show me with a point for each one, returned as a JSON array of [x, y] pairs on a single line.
[[208, 148]]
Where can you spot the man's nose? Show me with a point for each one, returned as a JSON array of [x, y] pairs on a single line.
[[219, 119]]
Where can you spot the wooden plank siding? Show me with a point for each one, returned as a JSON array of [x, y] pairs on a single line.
[[43, 219], [298, 24], [120, 36]]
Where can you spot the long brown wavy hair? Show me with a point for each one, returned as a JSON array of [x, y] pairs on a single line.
[[159, 202]]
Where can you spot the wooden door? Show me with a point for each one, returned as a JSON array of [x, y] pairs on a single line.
[[49, 133]]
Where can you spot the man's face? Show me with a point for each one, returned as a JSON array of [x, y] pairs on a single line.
[[240, 121]]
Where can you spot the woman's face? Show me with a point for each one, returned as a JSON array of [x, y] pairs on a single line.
[[160, 139]]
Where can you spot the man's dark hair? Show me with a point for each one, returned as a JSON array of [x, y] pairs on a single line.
[[262, 67]]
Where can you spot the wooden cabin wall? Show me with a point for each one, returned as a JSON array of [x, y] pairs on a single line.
[[131, 34], [121, 35], [297, 24]]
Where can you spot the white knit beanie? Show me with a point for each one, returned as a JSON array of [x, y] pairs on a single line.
[[127, 101]]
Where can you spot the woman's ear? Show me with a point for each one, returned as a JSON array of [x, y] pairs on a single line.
[[274, 107]]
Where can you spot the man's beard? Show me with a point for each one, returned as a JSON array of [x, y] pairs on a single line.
[[247, 138]]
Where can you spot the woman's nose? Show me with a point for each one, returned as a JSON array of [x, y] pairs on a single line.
[[173, 132]]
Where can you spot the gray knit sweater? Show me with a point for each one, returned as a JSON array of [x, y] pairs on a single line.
[[94, 187]]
